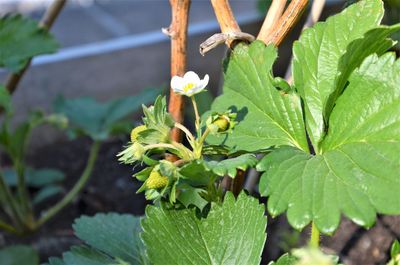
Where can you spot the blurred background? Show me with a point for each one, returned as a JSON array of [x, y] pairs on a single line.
[[115, 48]]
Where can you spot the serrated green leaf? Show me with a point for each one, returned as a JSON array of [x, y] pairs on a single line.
[[46, 193], [357, 172], [113, 234], [36, 178], [55, 261], [374, 41], [231, 165], [20, 39], [112, 239], [196, 173], [18, 255], [285, 259], [97, 119], [191, 196], [232, 233], [271, 118], [317, 55], [83, 255]]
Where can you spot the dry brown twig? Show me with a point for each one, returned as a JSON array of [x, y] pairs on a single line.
[[46, 22], [274, 14], [313, 17], [285, 22], [178, 34]]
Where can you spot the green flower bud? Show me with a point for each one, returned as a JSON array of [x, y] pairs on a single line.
[[133, 153], [135, 132], [222, 122], [156, 180]]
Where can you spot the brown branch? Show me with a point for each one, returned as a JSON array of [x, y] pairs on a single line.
[[312, 18], [226, 19], [274, 14], [286, 22], [46, 22], [228, 25], [178, 33]]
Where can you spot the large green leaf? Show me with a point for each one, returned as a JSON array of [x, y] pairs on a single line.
[[18, 255], [317, 55], [232, 233], [374, 41], [98, 119], [271, 117], [111, 239], [357, 172], [20, 39]]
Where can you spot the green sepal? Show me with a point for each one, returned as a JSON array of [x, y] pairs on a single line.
[[231, 165]]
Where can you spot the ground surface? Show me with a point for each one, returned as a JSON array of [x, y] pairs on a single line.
[[111, 188]]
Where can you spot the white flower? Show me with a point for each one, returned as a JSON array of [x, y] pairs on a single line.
[[189, 84]]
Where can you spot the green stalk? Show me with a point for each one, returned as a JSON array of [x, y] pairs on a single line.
[[24, 199], [94, 150], [8, 228], [15, 213], [314, 240], [196, 112]]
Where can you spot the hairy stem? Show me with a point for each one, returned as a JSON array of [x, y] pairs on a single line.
[[314, 239], [94, 150], [196, 113], [160, 145], [185, 130]]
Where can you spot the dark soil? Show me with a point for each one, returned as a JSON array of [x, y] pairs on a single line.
[[111, 188]]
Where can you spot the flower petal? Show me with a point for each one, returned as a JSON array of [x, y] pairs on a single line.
[[196, 90], [204, 81], [191, 77], [177, 82]]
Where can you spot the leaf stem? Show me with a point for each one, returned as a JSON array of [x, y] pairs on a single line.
[[8, 228], [314, 239], [204, 136], [94, 150], [15, 213], [160, 145], [196, 113], [185, 130]]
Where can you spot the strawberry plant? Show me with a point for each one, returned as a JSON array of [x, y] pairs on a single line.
[[330, 143]]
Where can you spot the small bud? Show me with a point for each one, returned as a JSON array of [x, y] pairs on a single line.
[[156, 180], [222, 123], [135, 132], [132, 153]]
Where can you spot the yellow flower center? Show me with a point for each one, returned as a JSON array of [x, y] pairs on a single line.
[[188, 87]]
